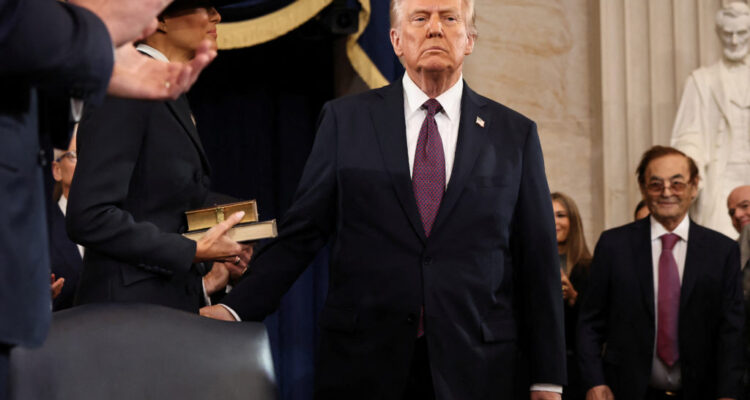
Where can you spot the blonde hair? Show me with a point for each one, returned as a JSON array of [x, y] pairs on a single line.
[[576, 250], [471, 28]]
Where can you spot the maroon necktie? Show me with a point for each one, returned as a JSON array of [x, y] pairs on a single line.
[[428, 175], [669, 302]]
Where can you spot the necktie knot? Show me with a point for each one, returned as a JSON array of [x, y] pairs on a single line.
[[432, 106], [669, 240]]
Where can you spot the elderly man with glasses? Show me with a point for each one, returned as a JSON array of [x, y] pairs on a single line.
[[664, 297]]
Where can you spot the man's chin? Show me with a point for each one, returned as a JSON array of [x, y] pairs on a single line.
[[736, 55]]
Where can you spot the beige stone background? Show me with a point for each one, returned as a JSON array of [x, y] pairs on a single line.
[[602, 79]]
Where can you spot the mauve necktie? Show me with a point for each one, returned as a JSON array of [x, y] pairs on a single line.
[[428, 174], [669, 302]]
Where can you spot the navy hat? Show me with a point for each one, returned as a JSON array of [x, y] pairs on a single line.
[[178, 6]]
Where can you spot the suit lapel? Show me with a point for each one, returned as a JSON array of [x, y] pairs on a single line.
[[644, 263], [471, 140], [180, 108], [693, 262], [388, 119]]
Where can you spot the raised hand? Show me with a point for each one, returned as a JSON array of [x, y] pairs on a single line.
[[126, 20]]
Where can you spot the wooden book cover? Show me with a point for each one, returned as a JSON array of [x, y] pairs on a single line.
[[207, 217], [243, 232]]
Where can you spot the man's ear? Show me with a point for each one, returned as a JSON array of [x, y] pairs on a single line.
[[470, 39], [694, 188], [396, 42]]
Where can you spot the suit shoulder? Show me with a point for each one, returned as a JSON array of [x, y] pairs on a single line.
[[508, 120], [356, 100], [623, 232], [708, 235], [497, 108]]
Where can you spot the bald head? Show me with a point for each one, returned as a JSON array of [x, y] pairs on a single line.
[[738, 203]]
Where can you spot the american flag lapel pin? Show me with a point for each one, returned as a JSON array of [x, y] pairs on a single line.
[[480, 122]]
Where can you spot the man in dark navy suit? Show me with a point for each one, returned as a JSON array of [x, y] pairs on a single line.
[[64, 50], [663, 315], [444, 274]]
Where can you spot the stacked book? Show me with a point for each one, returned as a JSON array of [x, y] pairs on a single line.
[[247, 230]]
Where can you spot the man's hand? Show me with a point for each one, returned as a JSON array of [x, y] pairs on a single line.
[[217, 312], [238, 268], [216, 279], [136, 75], [216, 244], [126, 20], [601, 392], [541, 395], [56, 285]]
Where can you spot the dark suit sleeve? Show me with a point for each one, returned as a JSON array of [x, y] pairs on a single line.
[[729, 354], [592, 317], [535, 257], [55, 45], [109, 143], [303, 232]]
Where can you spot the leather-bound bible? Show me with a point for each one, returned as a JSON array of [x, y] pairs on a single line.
[[207, 217], [247, 230]]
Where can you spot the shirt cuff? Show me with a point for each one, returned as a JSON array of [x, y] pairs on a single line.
[[237, 318], [546, 387], [76, 109], [206, 297]]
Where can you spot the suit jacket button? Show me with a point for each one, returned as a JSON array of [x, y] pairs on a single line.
[[427, 261], [412, 318]]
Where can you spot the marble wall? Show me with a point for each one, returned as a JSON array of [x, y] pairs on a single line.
[[535, 57], [602, 79]]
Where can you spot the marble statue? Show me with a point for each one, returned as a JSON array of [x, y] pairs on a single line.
[[713, 121]]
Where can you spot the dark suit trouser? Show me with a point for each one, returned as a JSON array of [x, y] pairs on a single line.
[[4, 370], [419, 384]]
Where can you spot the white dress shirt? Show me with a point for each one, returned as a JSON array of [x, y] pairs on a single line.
[[662, 376], [447, 120], [63, 204]]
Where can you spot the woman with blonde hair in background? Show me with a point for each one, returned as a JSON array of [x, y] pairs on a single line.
[[575, 259]]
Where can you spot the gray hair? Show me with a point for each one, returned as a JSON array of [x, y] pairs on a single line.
[[734, 9], [471, 28]]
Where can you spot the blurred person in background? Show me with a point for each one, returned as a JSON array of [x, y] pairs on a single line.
[[641, 211], [575, 259], [66, 258]]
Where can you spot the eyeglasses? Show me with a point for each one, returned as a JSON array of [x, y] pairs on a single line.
[[71, 155], [657, 187]]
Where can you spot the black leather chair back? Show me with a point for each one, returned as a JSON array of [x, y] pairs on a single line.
[[141, 351]]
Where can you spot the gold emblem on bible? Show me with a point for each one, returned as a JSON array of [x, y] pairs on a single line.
[[210, 216]]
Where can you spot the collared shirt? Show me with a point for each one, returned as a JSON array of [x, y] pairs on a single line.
[[663, 377], [447, 120], [63, 204], [156, 54]]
